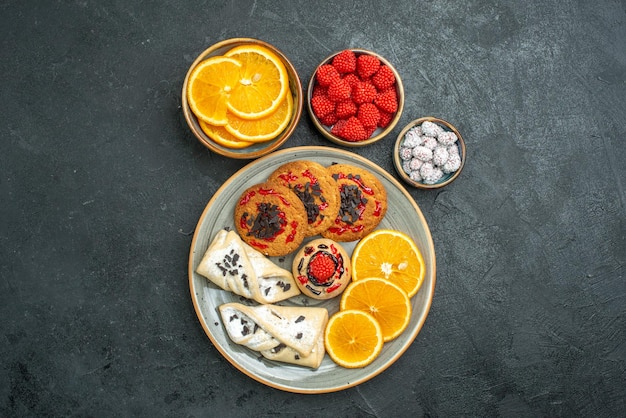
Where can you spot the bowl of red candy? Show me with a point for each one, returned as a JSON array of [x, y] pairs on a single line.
[[355, 97]]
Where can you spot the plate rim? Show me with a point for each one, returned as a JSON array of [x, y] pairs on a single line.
[[227, 355]]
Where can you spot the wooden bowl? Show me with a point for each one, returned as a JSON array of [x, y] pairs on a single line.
[[258, 149], [379, 133], [399, 162]]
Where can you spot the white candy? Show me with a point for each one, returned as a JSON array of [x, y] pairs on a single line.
[[415, 176], [406, 166], [453, 164], [453, 150], [430, 174], [447, 138], [440, 156], [415, 164], [423, 153], [406, 153], [430, 142], [412, 138], [431, 129]]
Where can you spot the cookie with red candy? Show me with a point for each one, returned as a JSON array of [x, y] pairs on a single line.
[[322, 269]]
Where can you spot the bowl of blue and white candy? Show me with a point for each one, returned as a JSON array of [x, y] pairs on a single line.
[[429, 153]]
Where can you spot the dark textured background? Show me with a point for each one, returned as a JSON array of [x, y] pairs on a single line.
[[101, 185]]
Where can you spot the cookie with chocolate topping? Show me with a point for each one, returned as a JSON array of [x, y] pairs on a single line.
[[271, 219], [363, 203], [316, 189]]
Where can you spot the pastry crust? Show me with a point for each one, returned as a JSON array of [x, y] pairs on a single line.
[[236, 267], [291, 334], [316, 189], [271, 219], [363, 203]]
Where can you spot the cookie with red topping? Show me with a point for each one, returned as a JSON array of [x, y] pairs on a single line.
[[322, 269], [271, 219], [363, 203], [316, 189]]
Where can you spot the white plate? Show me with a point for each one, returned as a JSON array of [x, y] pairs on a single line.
[[402, 214]]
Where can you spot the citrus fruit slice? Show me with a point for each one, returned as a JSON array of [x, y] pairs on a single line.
[[385, 301], [221, 136], [263, 83], [263, 129], [390, 255], [209, 86], [353, 338]]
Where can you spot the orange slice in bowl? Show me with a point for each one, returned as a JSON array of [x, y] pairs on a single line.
[[353, 338], [263, 129], [391, 255], [263, 83], [221, 136], [210, 86], [385, 301]]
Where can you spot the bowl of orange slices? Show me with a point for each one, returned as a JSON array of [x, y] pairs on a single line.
[[242, 98]]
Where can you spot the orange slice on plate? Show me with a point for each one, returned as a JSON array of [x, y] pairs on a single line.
[[221, 136], [262, 85], [391, 255], [263, 129], [353, 338], [209, 87], [385, 301]]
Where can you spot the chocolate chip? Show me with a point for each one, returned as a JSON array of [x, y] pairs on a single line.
[[267, 223], [298, 336], [278, 348], [300, 319]]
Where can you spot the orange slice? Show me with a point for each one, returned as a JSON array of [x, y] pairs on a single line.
[[263, 129], [385, 301], [209, 87], [221, 136], [353, 338], [263, 83], [391, 255]]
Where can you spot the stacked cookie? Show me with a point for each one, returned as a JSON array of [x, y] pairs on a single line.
[[302, 199]]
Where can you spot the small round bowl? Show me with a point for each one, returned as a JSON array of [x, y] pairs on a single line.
[[259, 149], [447, 177], [378, 133]]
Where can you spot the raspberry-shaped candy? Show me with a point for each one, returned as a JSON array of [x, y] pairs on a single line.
[[387, 101], [319, 90], [338, 90], [369, 115], [326, 74], [384, 78], [363, 92], [329, 119], [345, 61], [367, 66], [345, 109], [351, 79], [322, 106], [352, 130], [322, 267], [385, 119]]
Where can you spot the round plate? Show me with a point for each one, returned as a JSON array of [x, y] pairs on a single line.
[[402, 214]]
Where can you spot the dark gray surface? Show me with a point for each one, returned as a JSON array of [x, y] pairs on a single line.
[[102, 184]]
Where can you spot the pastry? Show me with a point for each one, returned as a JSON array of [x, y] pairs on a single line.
[[270, 218], [315, 188], [236, 267], [363, 203], [290, 334], [322, 269]]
